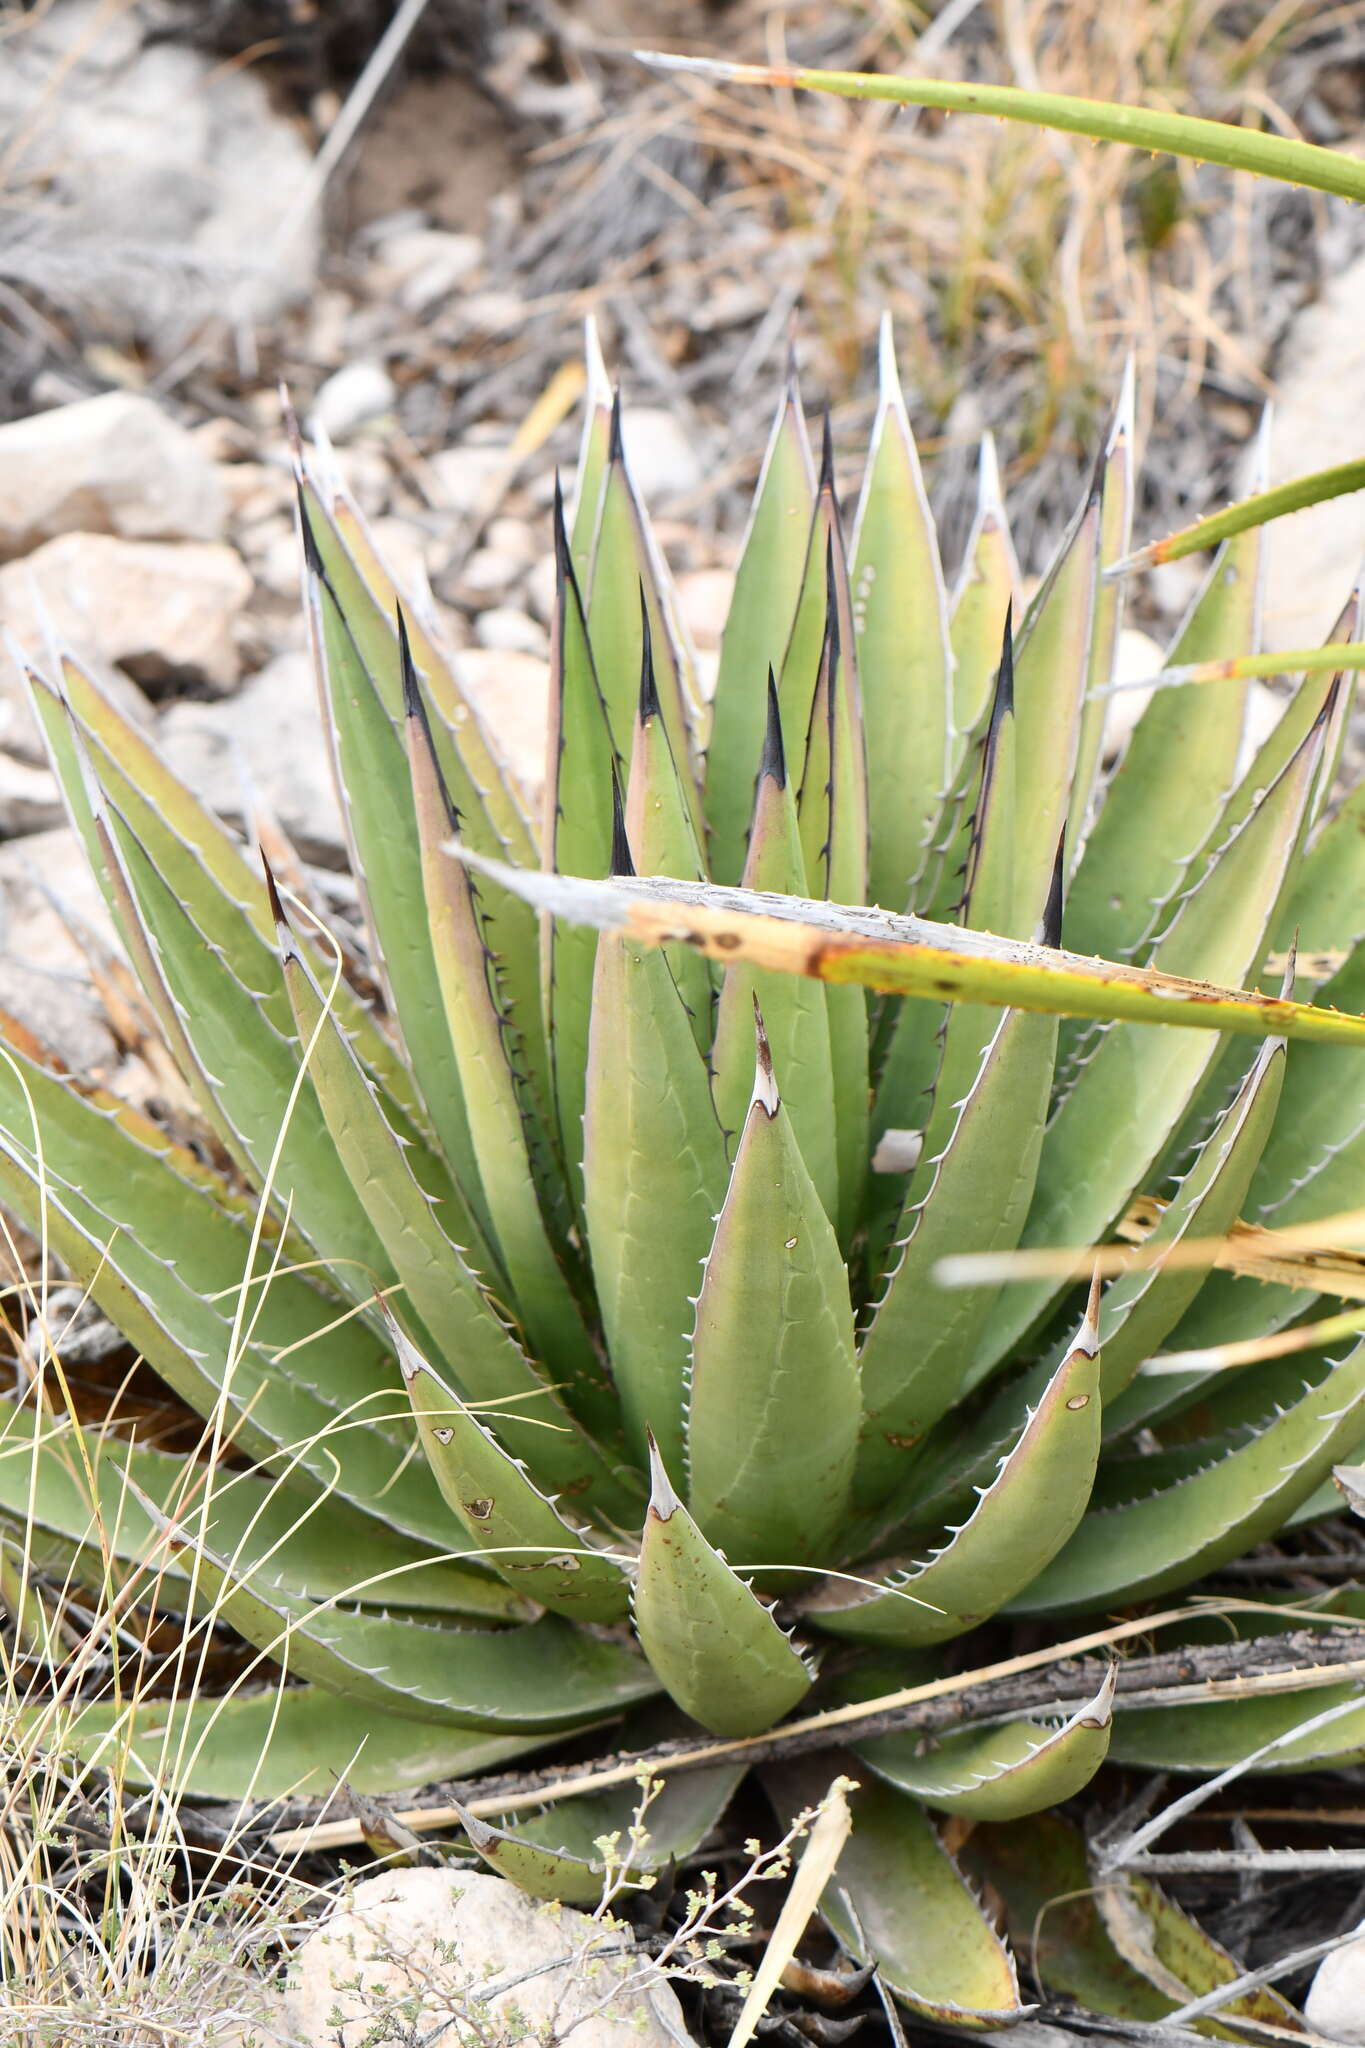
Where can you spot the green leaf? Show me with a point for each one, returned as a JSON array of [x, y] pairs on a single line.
[[499, 1120], [712, 1643], [654, 1174], [987, 586], [767, 585], [1021, 1521], [1091, 1165], [1179, 767], [1116, 525], [1215, 1737], [291, 1742], [773, 1340], [900, 623], [440, 1290], [625, 588], [532, 1679], [897, 1899], [795, 1010], [509, 1520], [1214, 142], [1170, 1537], [65, 1489], [661, 832], [557, 1854], [1051, 670], [1000, 1773], [581, 762], [975, 1193], [375, 786], [593, 445]]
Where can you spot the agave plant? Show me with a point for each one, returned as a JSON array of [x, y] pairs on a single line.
[[576, 1309]]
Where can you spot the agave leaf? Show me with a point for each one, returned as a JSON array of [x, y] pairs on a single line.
[[795, 1010], [654, 1175], [900, 622], [1167, 792], [290, 1742], [1215, 1737], [581, 766], [919, 1343], [64, 1487], [386, 857], [226, 892], [508, 1519], [1038, 1868], [1051, 670], [528, 1680], [1150, 1931], [897, 1899], [661, 832], [1139, 1310], [1000, 1773], [1090, 1167], [369, 602], [911, 956], [831, 813], [334, 1414], [1115, 536], [1170, 1537], [1022, 1519], [499, 1119], [558, 1855], [593, 446], [987, 586], [768, 583], [625, 589], [773, 1340], [711, 1642], [441, 1290]]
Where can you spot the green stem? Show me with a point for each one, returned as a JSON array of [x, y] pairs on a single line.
[[1214, 142]]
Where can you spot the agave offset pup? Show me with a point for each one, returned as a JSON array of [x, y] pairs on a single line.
[[579, 1306]]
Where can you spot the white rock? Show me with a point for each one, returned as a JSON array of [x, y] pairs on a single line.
[[704, 600], [510, 631], [1313, 556], [351, 398], [1136, 656], [29, 798], [165, 612], [488, 572], [465, 474], [512, 695], [660, 454], [541, 587], [114, 464], [165, 174], [426, 264], [44, 981], [464, 1953], [1335, 2005], [272, 730]]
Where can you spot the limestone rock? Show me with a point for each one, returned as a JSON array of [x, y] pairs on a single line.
[[272, 731], [1313, 557], [352, 398], [164, 175], [114, 464], [430, 1947], [164, 612], [507, 629], [43, 977], [511, 691], [1335, 2005], [661, 455]]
